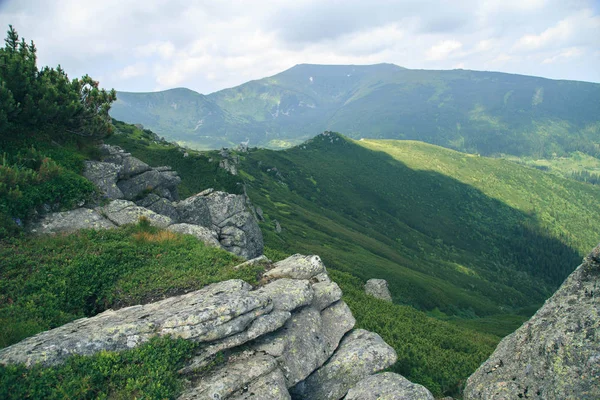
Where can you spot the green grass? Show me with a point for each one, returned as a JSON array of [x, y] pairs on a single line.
[[148, 371], [48, 281]]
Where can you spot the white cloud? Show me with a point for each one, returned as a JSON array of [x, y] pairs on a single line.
[[210, 45], [133, 71], [443, 49]]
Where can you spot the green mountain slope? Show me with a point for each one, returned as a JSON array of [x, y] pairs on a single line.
[[466, 235], [478, 112]]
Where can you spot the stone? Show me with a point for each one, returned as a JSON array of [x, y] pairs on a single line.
[[260, 326], [554, 355], [297, 267], [267, 387], [306, 341], [259, 213], [326, 293], [337, 320], [194, 210], [254, 261], [277, 226], [121, 212], [378, 288], [388, 386], [104, 175], [231, 377], [212, 313], [360, 354], [162, 182], [199, 232], [70, 221], [159, 205], [288, 294], [238, 229]]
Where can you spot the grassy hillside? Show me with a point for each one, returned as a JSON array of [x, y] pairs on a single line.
[[465, 235], [477, 112]]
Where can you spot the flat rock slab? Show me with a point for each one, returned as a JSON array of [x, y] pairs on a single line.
[[215, 312], [554, 355], [121, 212], [231, 378], [297, 267], [288, 294], [360, 354], [388, 386], [71, 221], [326, 293]]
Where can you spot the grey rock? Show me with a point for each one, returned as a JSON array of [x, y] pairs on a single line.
[[554, 355], [259, 213], [231, 378], [194, 210], [215, 312], [267, 387], [322, 277], [162, 182], [130, 165], [388, 386], [104, 175], [306, 341], [159, 205], [337, 320], [288, 294], [297, 267], [378, 288], [121, 212], [360, 354], [277, 226], [70, 221], [326, 293], [262, 325], [229, 166], [201, 233], [238, 228]]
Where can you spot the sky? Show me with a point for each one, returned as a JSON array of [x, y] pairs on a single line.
[[210, 45]]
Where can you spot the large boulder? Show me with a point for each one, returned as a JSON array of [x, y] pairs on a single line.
[[388, 386], [215, 312], [378, 288], [297, 266], [70, 221], [238, 228], [360, 354], [105, 176], [159, 205], [554, 355], [194, 210], [162, 182]]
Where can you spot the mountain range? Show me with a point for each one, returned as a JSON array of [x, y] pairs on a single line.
[[488, 113]]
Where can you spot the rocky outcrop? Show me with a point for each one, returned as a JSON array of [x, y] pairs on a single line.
[[216, 218], [554, 355], [378, 288], [388, 386], [295, 331]]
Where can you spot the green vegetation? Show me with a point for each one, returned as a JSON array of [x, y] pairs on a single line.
[[148, 371], [48, 281], [470, 236], [198, 171], [478, 252], [433, 353], [48, 125], [477, 112]]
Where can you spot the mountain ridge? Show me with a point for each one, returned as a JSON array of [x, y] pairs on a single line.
[[471, 111]]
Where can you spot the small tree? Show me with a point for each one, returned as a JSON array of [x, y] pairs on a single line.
[[46, 99]]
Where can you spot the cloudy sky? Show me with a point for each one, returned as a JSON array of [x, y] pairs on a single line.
[[210, 45]]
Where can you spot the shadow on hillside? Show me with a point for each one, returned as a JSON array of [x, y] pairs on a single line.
[[450, 234]]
